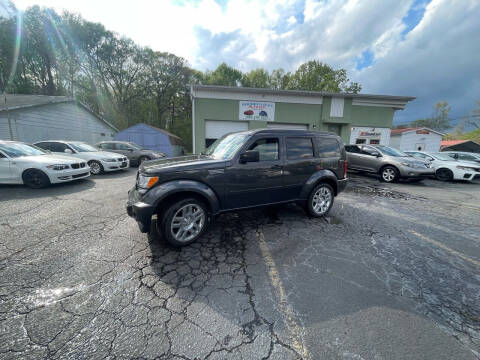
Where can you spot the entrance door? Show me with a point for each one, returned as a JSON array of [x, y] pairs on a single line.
[[215, 129]]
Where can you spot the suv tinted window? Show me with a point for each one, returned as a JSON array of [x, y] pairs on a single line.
[[327, 147], [299, 147], [267, 148], [352, 149]]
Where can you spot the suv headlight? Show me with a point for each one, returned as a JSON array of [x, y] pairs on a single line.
[[109, 160], [58, 167], [146, 182]]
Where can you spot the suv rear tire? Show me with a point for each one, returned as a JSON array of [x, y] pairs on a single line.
[[389, 174], [183, 222], [320, 200]]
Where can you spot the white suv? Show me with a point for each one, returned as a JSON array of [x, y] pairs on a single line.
[[22, 163], [99, 161]]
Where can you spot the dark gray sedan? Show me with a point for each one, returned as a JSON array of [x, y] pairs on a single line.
[[135, 153]]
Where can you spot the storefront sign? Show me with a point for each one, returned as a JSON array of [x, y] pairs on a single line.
[[370, 134], [256, 110]]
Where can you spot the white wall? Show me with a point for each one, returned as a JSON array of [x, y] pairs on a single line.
[[409, 141]]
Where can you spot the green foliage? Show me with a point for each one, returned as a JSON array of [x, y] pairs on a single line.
[[222, 75], [472, 135], [439, 120]]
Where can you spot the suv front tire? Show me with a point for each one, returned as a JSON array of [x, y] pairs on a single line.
[[183, 222]]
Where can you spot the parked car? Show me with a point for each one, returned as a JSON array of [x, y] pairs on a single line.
[[391, 164], [99, 161], [464, 156], [22, 163], [446, 168], [135, 153], [240, 170]]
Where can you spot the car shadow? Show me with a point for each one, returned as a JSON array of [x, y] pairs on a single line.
[[19, 192], [116, 174]]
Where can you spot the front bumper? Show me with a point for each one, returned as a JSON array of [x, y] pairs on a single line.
[[115, 165], [140, 211], [408, 172], [468, 175], [68, 175]]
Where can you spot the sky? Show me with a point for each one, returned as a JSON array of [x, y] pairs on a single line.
[[423, 48]]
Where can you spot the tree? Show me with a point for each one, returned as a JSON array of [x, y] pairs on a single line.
[[258, 78], [279, 79], [317, 76], [223, 75], [439, 120], [474, 118]]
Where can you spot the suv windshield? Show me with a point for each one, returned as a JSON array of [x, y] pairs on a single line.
[[18, 149], [82, 147], [226, 147], [390, 151]]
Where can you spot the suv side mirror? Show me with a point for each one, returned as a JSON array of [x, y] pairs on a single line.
[[250, 156], [68, 151]]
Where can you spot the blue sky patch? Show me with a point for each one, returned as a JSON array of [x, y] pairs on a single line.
[[365, 59], [414, 15]]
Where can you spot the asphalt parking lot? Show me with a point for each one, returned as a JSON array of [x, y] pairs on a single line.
[[392, 273]]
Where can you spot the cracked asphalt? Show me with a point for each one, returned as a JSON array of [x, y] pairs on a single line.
[[392, 273]]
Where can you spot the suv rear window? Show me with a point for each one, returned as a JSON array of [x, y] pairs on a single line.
[[299, 148], [327, 147]]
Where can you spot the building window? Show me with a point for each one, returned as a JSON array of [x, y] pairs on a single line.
[[360, 141], [102, 134], [374, 141]]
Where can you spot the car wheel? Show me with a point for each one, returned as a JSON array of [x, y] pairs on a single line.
[[35, 179], [184, 221], [444, 174], [320, 200], [389, 174], [95, 167], [142, 159]]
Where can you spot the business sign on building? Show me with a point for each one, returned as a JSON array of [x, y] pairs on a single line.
[[256, 110]]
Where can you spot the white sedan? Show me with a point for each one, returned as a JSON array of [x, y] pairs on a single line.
[[21, 163], [446, 168], [99, 161]]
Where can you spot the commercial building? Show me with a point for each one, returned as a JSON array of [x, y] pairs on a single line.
[[416, 139], [217, 110], [32, 118]]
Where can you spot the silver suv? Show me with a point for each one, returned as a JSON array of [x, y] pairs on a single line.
[[391, 164], [135, 153]]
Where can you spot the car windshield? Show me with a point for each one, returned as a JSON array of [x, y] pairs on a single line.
[[82, 147], [15, 150], [442, 156], [391, 151], [226, 147]]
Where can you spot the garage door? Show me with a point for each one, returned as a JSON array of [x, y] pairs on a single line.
[[288, 126], [216, 129]]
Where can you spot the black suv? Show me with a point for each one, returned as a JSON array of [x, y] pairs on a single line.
[[240, 170]]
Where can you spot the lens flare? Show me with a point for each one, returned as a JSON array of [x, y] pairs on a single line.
[[16, 51]]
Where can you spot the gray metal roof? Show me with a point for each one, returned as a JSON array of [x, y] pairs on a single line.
[[20, 101], [240, 89], [17, 101]]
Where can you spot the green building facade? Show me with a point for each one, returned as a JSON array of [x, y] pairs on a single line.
[[357, 118]]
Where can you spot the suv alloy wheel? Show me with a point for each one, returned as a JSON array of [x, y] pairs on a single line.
[[183, 222], [389, 174], [320, 200]]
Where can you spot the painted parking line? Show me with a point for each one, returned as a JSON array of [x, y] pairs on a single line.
[[294, 329], [444, 247]]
